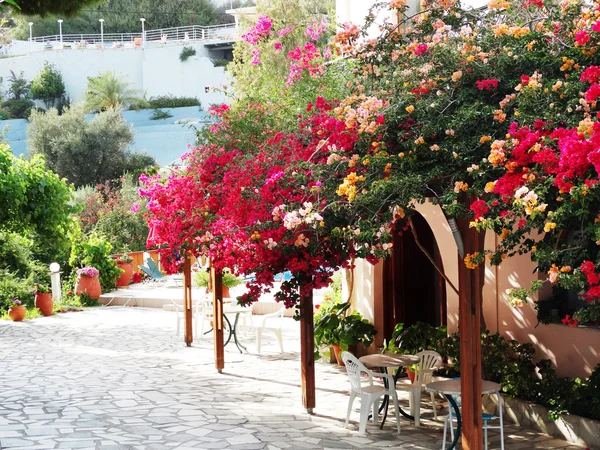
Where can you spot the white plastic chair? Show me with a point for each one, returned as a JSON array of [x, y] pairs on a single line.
[[486, 418], [268, 322], [428, 362], [198, 315], [369, 395]]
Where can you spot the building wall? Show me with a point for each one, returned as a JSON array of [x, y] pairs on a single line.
[[574, 351], [153, 71]]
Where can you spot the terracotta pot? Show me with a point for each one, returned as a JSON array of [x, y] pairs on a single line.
[[89, 286], [225, 292], [411, 374], [332, 358], [43, 302], [17, 313], [127, 274], [338, 354]]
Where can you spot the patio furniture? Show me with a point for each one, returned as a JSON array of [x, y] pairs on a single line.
[[119, 293], [156, 276], [197, 314], [428, 362], [451, 389], [268, 322], [383, 362], [369, 395]]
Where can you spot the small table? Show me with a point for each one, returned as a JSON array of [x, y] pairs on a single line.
[[237, 310], [452, 387], [382, 362]]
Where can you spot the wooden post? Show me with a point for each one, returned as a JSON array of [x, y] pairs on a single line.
[[469, 312], [187, 301], [216, 278], [307, 349]]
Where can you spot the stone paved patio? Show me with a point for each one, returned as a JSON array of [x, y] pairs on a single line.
[[118, 378]]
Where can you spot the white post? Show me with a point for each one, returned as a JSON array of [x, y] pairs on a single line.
[[143, 33], [55, 281], [60, 21], [102, 32], [30, 36]]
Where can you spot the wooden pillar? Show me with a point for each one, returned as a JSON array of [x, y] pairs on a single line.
[[187, 301], [216, 278], [469, 313], [307, 349]]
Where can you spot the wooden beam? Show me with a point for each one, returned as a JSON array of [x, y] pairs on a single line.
[[187, 301], [307, 349], [470, 283], [216, 278]]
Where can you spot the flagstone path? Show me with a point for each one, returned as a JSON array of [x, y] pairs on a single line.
[[118, 378]]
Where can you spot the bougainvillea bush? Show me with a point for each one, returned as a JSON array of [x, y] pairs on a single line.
[[490, 114]]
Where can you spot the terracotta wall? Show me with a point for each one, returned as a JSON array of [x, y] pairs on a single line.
[[574, 351]]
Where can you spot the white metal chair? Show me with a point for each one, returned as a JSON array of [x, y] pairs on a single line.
[[428, 362], [369, 395], [268, 322], [486, 418]]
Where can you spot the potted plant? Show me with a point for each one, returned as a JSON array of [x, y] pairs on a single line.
[[201, 279], [342, 331], [16, 310], [588, 314], [327, 322], [43, 299], [88, 282], [124, 263]]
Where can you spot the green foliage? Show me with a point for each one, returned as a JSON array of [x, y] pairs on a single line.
[[229, 280], [19, 87], [18, 109], [109, 91], [85, 152], [220, 62], [12, 286], [159, 114], [15, 253], [18, 104], [35, 203], [96, 252], [167, 101], [43, 8], [125, 232], [186, 53], [32, 313], [417, 338], [48, 86], [588, 314]]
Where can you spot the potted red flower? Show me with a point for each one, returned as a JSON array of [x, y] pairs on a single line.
[[16, 310], [124, 263], [88, 282], [43, 299]]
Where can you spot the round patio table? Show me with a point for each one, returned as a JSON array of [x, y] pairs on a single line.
[[382, 362], [450, 388]]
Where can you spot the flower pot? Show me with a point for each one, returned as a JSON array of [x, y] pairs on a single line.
[[43, 302], [338, 354], [332, 358], [127, 274], [17, 313], [89, 286], [411, 374], [225, 292]]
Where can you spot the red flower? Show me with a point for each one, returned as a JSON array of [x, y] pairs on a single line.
[[589, 270], [524, 80], [572, 322], [582, 38], [596, 27], [591, 74], [592, 93], [422, 48], [479, 208], [487, 85]]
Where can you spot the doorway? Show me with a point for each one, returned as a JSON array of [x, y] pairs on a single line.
[[413, 290]]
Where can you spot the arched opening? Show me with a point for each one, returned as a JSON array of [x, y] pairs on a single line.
[[413, 290]]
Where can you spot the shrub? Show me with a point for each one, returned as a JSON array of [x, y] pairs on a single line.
[[167, 101], [159, 114], [11, 286], [84, 152], [48, 86], [109, 91], [229, 280], [15, 254], [96, 252], [186, 52], [18, 108], [220, 62]]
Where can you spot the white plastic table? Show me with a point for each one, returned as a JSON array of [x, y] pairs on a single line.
[[451, 388], [382, 362]]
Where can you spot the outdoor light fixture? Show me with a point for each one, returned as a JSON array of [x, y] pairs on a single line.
[[60, 21], [101, 32], [55, 281], [30, 36]]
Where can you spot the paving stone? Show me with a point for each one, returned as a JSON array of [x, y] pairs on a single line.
[[119, 379]]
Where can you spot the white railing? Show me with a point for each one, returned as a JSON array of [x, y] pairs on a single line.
[[188, 33]]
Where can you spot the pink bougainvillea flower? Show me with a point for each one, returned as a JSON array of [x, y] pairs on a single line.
[[278, 46]]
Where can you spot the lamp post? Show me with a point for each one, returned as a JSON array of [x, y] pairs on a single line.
[[143, 33], [102, 32], [55, 280], [60, 21], [30, 36]]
